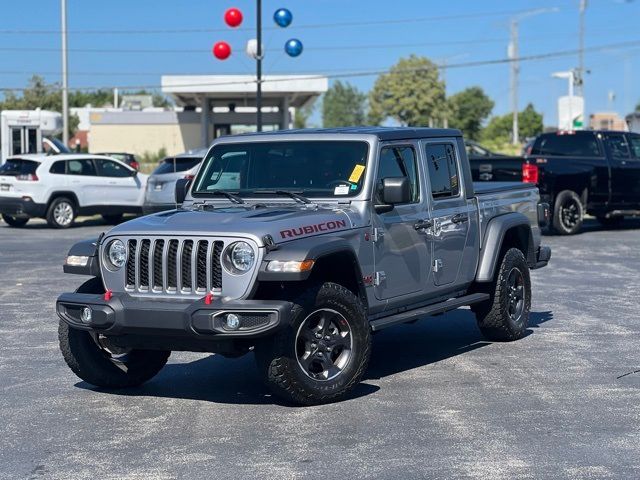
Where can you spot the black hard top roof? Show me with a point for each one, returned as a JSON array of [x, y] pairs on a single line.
[[383, 133]]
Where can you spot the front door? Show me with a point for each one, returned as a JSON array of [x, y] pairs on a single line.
[[118, 185], [402, 257], [450, 211]]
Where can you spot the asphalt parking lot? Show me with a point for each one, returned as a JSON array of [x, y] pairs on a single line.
[[437, 401]]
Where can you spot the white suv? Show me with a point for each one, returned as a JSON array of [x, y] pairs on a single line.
[[61, 187]]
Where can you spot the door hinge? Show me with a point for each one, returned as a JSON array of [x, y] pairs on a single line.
[[437, 265], [379, 278], [377, 234]]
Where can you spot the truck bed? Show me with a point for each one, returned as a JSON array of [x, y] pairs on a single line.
[[483, 188]]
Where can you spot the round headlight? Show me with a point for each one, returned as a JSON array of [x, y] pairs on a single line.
[[117, 254], [240, 257]]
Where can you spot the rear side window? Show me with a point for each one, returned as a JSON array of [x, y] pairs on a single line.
[[567, 145], [81, 167], [635, 145], [399, 161], [618, 146], [58, 167], [16, 166], [443, 170], [171, 165]]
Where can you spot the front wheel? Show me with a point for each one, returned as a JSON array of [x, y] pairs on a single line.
[[15, 221], [324, 351], [568, 213], [96, 361], [505, 316]]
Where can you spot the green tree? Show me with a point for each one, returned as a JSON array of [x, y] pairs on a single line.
[[411, 93], [468, 109], [302, 115], [499, 128], [343, 106]]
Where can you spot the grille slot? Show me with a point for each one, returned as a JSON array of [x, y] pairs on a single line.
[[171, 265]]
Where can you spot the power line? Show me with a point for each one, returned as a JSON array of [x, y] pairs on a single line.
[[373, 72], [355, 23]]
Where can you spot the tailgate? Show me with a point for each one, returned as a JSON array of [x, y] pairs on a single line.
[[496, 169]]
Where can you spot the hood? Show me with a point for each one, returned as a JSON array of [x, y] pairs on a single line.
[[283, 222]]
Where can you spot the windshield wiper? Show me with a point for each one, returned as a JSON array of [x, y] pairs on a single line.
[[234, 198], [287, 193]]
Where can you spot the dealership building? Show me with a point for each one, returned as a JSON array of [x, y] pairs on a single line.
[[207, 107]]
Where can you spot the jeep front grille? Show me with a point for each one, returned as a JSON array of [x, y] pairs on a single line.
[[173, 266]]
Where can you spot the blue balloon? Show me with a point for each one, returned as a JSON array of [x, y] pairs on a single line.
[[293, 47], [283, 17]]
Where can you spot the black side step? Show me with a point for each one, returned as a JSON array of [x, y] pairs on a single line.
[[410, 315]]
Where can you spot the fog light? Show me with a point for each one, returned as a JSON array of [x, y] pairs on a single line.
[[233, 321], [85, 316]]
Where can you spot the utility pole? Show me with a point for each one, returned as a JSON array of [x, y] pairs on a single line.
[[580, 72], [515, 70], [65, 81], [259, 66]]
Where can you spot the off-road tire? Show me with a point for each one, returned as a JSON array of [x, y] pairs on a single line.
[[92, 365], [16, 222], [566, 206], [112, 219], [51, 215], [277, 360], [493, 317]]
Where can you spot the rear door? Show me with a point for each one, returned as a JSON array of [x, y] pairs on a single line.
[[450, 210], [83, 181], [118, 184], [625, 171], [402, 257]]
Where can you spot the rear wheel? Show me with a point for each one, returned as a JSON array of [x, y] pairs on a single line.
[[113, 219], [568, 213], [505, 315], [323, 353], [61, 213], [15, 221]]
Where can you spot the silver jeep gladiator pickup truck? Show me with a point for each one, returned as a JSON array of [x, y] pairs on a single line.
[[299, 245]]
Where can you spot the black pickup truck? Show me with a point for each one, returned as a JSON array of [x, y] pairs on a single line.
[[586, 172]]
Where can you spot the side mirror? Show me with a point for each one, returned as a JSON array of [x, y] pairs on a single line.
[[394, 190], [134, 173], [182, 187]]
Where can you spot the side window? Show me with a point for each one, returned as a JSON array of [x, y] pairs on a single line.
[[107, 168], [58, 167], [81, 167], [399, 161], [618, 146], [443, 170], [635, 145]]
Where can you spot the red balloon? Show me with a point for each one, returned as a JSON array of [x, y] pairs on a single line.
[[221, 50], [233, 17]]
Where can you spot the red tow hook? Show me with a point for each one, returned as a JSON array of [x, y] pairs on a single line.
[[208, 298], [107, 295]]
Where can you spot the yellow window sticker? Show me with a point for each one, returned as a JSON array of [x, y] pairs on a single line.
[[358, 170]]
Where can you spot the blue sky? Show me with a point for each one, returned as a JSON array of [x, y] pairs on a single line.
[[480, 32]]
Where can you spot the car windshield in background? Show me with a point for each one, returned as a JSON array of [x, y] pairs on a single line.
[[567, 145], [172, 165], [312, 168], [14, 167]]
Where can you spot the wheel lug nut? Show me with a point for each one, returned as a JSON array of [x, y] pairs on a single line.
[[318, 335], [327, 337]]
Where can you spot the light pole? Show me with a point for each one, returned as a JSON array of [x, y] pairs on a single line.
[[65, 81], [571, 77], [513, 54], [580, 72], [259, 66]]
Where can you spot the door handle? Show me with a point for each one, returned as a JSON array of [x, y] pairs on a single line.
[[423, 224], [460, 218], [113, 183]]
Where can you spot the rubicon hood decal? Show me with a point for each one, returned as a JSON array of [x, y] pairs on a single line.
[[316, 228]]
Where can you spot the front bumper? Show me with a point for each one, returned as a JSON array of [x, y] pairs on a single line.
[[19, 207], [172, 319]]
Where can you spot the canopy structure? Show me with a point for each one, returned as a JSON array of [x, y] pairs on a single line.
[[226, 101]]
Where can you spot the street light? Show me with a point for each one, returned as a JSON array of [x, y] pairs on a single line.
[[512, 53], [569, 75]]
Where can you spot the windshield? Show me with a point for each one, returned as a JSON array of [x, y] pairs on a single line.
[[311, 168], [171, 165]]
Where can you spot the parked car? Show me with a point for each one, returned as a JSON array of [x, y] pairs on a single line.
[[586, 172], [161, 187], [128, 158], [299, 245], [61, 187], [488, 166]]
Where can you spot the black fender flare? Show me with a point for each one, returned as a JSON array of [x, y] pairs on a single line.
[[493, 240], [86, 248]]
